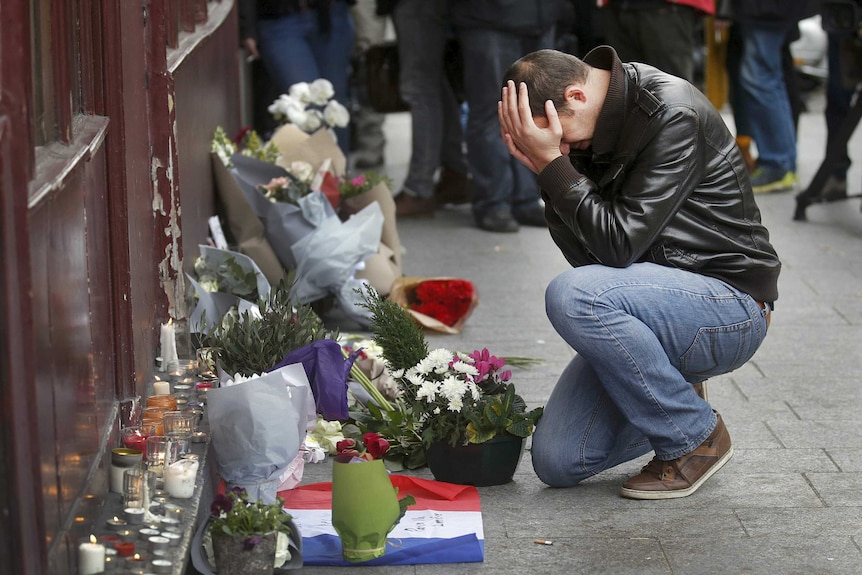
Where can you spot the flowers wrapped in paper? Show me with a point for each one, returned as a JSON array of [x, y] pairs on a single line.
[[220, 272], [257, 426], [365, 506], [439, 304]]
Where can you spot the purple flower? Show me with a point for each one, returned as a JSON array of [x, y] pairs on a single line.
[[249, 543], [221, 504]]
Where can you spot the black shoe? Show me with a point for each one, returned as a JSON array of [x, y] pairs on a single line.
[[453, 187], [534, 215], [499, 221]]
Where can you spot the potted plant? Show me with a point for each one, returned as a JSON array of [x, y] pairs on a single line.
[[246, 535], [462, 408]]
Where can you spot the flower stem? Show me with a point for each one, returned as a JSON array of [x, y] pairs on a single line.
[[367, 385]]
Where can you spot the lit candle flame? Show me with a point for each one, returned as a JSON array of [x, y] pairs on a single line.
[[116, 518], [92, 538], [136, 557]]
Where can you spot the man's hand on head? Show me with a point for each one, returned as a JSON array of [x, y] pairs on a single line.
[[533, 146]]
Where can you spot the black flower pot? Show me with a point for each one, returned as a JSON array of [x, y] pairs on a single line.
[[480, 464]]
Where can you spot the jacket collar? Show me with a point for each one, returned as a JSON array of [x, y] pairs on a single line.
[[610, 121]]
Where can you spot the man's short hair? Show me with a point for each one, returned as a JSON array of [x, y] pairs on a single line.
[[547, 73]]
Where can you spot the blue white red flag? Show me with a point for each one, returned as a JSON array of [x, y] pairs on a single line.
[[444, 526]]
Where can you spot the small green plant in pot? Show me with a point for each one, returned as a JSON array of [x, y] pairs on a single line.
[[245, 534]]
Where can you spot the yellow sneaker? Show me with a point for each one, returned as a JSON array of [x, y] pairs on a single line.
[[764, 181]]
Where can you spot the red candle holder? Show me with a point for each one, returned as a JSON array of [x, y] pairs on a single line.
[[125, 548]]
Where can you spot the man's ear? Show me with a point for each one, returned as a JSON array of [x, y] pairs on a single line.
[[575, 95]]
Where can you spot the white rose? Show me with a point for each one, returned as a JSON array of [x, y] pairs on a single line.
[[311, 122], [320, 91], [302, 171], [336, 115], [301, 92]]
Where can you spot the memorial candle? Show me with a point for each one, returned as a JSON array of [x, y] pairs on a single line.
[[168, 342], [91, 557]]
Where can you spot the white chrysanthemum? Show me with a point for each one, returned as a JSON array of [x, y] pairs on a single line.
[[302, 171], [440, 359], [456, 405], [453, 388], [397, 374], [320, 91], [465, 368], [424, 366], [301, 92], [427, 391], [436, 411], [474, 391], [415, 378], [335, 115]]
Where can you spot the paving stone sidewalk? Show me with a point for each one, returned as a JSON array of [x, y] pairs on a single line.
[[790, 501]]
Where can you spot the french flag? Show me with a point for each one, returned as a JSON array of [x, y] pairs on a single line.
[[444, 526]]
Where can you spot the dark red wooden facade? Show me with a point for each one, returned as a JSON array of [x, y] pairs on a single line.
[[106, 112]]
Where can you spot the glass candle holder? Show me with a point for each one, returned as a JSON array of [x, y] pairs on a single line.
[[123, 458], [179, 426], [161, 452]]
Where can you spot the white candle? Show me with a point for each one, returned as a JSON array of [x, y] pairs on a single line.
[[180, 478], [91, 557], [169, 343], [161, 388]]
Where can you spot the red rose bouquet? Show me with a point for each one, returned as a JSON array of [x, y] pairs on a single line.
[[440, 304]]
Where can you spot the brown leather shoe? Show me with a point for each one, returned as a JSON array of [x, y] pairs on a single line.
[[683, 476], [407, 206]]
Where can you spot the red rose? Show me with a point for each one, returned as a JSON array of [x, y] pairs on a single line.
[[345, 445], [375, 445]]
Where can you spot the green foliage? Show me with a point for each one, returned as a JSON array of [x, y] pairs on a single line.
[[226, 277], [406, 450], [501, 413], [254, 147], [401, 338], [248, 345], [233, 514]]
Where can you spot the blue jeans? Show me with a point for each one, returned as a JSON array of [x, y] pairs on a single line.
[[501, 183], [761, 79], [294, 49], [422, 27], [642, 334]]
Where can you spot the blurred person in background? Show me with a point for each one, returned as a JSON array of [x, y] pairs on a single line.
[[301, 41], [661, 33], [422, 28], [493, 34]]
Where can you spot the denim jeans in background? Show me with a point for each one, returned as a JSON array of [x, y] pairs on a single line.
[[761, 79], [642, 334], [422, 28], [294, 49], [500, 181]]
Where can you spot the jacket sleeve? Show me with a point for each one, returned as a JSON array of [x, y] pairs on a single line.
[[247, 12], [618, 224]]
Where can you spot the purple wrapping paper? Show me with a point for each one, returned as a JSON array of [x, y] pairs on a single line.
[[327, 370]]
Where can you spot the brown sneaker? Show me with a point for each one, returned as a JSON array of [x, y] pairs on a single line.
[[683, 476], [407, 206]]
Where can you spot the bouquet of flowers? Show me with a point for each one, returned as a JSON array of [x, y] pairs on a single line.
[[445, 396], [310, 107], [440, 304]]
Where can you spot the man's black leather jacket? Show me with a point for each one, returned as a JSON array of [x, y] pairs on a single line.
[[664, 182]]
